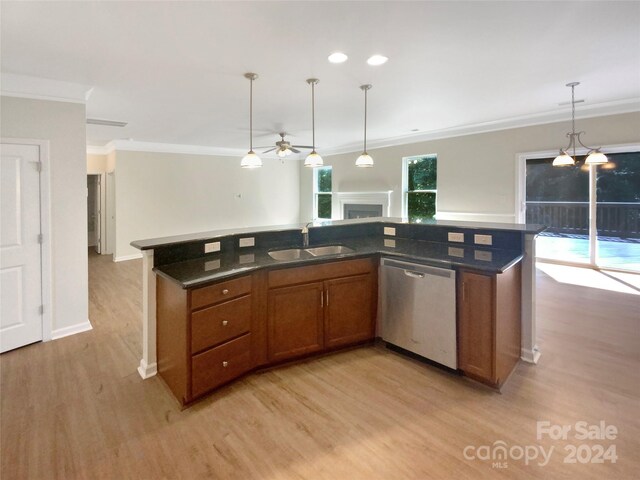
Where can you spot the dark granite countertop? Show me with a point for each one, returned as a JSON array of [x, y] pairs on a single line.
[[214, 267], [192, 237]]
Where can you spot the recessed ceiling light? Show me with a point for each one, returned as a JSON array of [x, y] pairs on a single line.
[[338, 57], [377, 60]]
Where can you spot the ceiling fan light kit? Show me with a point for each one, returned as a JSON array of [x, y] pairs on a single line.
[[313, 159], [251, 160], [564, 159], [365, 160]]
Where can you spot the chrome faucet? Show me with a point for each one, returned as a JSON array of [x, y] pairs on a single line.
[[305, 234]]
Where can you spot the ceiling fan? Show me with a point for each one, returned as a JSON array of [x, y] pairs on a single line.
[[284, 148]]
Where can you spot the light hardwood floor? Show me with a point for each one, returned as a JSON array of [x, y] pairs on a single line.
[[76, 407]]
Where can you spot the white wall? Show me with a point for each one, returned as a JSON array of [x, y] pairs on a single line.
[[476, 173], [63, 124], [161, 194]]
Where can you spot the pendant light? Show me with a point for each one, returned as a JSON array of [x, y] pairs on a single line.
[[251, 159], [313, 159], [365, 159], [594, 155]]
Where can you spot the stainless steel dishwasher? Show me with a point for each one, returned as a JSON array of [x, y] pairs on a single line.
[[418, 310]]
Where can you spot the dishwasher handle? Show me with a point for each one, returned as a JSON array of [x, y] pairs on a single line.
[[411, 274]]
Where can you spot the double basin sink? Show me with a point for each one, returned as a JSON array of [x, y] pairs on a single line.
[[310, 252]]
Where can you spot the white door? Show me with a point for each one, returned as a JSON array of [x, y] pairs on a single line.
[[20, 253]]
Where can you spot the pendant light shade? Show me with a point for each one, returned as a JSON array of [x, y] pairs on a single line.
[[594, 156], [313, 159], [365, 159], [251, 159]]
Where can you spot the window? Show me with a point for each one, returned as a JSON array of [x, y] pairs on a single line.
[[419, 178], [322, 192]]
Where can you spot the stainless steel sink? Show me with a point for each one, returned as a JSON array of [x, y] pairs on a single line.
[[329, 250], [302, 253], [289, 254]]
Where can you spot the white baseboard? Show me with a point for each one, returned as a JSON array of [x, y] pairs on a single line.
[[147, 371], [124, 258], [530, 356], [71, 330]]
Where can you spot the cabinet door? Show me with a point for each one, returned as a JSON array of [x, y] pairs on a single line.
[[295, 321], [349, 310], [476, 334]]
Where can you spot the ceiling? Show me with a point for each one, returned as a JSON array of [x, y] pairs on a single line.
[[174, 70]]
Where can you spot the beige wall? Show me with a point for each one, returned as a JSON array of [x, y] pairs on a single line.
[[63, 125], [476, 173], [96, 164], [161, 194]]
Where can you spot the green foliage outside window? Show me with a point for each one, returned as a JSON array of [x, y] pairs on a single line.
[[323, 192], [421, 175]]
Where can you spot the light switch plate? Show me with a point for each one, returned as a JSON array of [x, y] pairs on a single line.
[[390, 231], [483, 256], [456, 237], [483, 239], [211, 247], [247, 242]]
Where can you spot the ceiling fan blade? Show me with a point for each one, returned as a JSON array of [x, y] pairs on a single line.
[[270, 150], [294, 150]]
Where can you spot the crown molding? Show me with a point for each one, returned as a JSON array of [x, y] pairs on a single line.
[[154, 147], [25, 86], [586, 111]]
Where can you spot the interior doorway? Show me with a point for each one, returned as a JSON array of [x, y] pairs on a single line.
[[95, 212]]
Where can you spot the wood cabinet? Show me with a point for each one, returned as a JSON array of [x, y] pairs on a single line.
[[489, 324], [204, 335], [321, 307]]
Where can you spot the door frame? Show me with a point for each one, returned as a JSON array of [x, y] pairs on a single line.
[[520, 199], [45, 229], [101, 208]]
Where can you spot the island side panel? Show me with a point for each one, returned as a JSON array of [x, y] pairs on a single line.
[[529, 347], [148, 364]]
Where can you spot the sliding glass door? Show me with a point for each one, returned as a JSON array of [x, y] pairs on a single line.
[[592, 213]]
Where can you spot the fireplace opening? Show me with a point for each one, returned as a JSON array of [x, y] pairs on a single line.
[[360, 210]]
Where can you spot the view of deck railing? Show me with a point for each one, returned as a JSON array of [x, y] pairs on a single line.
[[613, 219]]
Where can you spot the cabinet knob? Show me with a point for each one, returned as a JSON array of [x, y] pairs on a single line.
[[225, 323], [225, 291], [225, 364]]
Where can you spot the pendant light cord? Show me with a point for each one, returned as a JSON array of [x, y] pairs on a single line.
[[573, 119], [365, 120], [251, 114], [313, 115]]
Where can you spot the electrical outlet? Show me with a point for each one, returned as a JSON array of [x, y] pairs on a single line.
[[211, 247], [483, 256], [247, 242], [456, 237], [390, 231], [483, 239]]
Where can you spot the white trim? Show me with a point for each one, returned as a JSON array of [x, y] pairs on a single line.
[[71, 330], [26, 86], [100, 150], [530, 356], [135, 146], [587, 111], [365, 198], [147, 371], [148, 364], [124, 258], [476, 216], [45, 230]]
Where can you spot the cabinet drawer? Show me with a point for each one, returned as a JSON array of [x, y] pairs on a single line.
[[220, 365], [323, 271], [201, 297], [217, 324]]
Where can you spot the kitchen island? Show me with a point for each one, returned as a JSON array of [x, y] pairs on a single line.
[[263, 336]]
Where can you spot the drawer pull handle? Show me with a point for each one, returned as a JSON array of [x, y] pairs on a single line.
[[225, 364], [225, 323], [225, 291]]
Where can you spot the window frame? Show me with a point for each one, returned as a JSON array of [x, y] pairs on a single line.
[[316, 170], [405, 184]]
